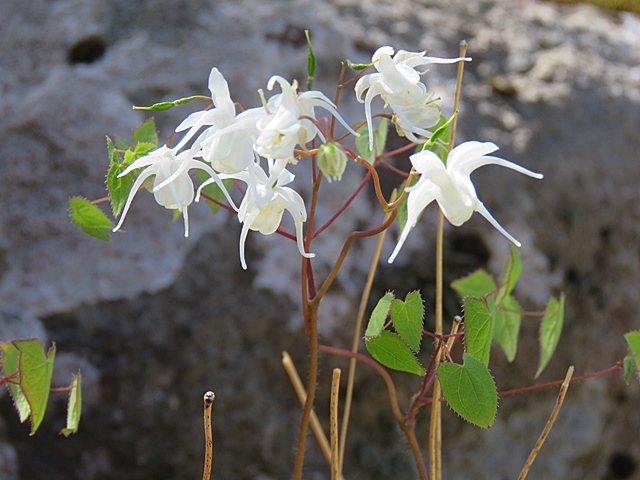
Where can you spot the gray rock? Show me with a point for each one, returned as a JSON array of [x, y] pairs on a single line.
[[163, 319]]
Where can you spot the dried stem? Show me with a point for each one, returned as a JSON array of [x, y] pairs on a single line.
[[548, 426], [209, 397], [312, 325], [290, 368], [356, 340], [333, 421], [343, 254], [407, 428], [435, 431], [435, 434]]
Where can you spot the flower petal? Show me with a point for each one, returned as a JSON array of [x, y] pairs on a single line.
[[482, 210]]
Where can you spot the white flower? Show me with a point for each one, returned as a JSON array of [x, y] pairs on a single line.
[[178, 194], [451, 186], [290, 120], [228, 143], [398, 84], [265, 201]]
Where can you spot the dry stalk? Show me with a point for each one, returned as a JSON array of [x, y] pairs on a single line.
[[547, 427]]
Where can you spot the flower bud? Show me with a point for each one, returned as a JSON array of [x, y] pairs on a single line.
[[332, 161]]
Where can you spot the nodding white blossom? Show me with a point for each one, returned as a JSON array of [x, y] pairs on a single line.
[[398, 84], [227, 143], [451, 186], [265, 201], [178, 194], [290, 120]]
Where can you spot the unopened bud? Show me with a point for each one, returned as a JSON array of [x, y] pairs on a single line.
[[332, 161]]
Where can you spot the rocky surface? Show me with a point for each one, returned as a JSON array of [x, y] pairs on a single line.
[[155, 319]]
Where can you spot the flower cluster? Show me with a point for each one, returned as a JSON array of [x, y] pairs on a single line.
[[398, 84], [255, 147], [227, 145]]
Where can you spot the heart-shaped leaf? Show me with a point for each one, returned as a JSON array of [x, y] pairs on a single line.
[[470, 390]]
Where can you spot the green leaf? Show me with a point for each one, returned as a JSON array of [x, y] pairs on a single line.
[[10, 367], [146, 133], [311, 62], [507, 327], [359, 66], [550, 330], [633, 340], [160, 106], [479, 321], [402, 216], [470, 390], [89, 218], [379, 141], [439, 141], [118, 187], [35, 377], [477, 284], [214, 191], [510, 274], [142, 148], [407, 319], [121, 144], [379, 316], [392, 352], [114, 158], [74, 407], [628, 366]]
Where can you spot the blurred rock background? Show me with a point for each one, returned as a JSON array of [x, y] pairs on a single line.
[[154, 319]]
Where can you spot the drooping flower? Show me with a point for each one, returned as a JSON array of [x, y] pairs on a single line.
[[451, 186], [265, 201], [290, 120], [398, 84], [178, 194], [228, 142]]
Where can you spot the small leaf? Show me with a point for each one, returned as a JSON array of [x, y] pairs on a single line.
[[213, 190], [477, 284], [407, 319], [392, 352], [470, 390], [402, 216], [507, 326], [10, 367], [628, 365], [118, 187], [74, 407], [379, 316], [633, 340], [311, 62], [114, 158], [146, 133], [143, 148], [359, 66], [479, 317], [121, 144], [380, 139], [550, 330], [35, 377], [439, 141], [89, 218], [167, 105], [510, 274]]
